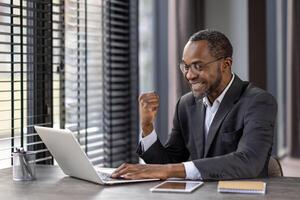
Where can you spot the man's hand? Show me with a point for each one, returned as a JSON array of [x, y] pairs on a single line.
[[145, 171], [149, 103]]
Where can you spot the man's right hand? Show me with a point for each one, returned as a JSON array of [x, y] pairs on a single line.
[[149, 103]]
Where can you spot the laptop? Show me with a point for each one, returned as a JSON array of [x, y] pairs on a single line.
[[73, 161]]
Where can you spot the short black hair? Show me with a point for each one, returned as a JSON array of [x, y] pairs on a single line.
[[218, 44]]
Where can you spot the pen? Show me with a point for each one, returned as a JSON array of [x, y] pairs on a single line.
[[18, 150], [24, 163]]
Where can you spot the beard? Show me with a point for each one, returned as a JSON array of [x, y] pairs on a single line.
[[200, 95]]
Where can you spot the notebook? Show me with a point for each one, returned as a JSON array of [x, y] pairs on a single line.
[[247, 187]]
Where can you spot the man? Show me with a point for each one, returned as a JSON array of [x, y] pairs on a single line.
[[223, 129]]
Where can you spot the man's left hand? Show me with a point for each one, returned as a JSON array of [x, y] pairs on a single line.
[[145, 171]]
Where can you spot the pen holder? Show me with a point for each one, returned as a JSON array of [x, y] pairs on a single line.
[[23, 166]]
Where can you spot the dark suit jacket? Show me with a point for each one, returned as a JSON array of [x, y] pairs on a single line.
[[240, 137]]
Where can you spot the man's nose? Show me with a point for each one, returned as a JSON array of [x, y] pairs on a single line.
[[190, 74]]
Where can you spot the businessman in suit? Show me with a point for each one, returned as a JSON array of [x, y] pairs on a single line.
[[223, 129]]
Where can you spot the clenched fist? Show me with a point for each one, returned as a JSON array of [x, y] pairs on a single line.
[[149, 103]]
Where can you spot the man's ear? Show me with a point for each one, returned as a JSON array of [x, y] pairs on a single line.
[[226, 64]]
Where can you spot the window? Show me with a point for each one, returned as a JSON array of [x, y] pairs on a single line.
[[101, 78], [69, 64], [83, 75], [29, 84]]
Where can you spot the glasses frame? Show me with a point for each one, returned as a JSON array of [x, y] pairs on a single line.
[[195, 66]]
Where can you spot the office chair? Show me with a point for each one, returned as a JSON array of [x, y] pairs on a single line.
[[274, 168]]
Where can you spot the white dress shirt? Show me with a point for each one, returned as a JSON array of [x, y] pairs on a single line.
[[191, 170], [211, 110]]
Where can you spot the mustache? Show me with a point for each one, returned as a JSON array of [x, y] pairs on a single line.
[[198, 81]]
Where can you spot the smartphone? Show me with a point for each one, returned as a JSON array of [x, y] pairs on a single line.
[[176, 186]]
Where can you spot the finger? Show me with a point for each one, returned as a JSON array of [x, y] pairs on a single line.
[[150, 100], [145, 103], [128, 168], [121, 172], [124, 165], [150, 105], [150, 108], [152, 95], [148, 95], [135, 175]]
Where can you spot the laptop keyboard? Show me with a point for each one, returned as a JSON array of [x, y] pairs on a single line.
[[104, 176]]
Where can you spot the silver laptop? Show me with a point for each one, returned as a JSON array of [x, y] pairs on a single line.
[[64, 147]]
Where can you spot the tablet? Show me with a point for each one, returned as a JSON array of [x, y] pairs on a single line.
[[176, 186]]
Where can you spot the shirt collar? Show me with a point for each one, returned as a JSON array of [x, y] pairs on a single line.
[[221, 96]]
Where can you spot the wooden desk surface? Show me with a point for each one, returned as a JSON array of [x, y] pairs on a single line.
[[51, 183]]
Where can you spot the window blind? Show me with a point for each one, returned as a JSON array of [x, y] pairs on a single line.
[[83, 75], [121, 81], [101, 78], [69, 64], [30, 52]]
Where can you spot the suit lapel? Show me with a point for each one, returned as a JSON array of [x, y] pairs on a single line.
[[197, 111], [230, 98]]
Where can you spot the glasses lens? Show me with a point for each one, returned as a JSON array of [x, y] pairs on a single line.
[[197, 66], [182, 67]]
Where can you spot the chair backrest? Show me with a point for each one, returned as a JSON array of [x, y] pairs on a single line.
[[274, 168]]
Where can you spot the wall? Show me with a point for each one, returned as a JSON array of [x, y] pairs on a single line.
[[231, 18]]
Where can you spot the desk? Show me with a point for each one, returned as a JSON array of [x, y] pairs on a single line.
[[51, 183]]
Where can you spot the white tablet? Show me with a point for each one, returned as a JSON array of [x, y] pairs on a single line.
[[176, 186]]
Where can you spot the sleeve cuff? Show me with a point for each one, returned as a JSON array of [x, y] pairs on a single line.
[[191, 171], [147, 141]]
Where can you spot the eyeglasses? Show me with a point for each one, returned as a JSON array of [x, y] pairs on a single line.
[[195, 66]]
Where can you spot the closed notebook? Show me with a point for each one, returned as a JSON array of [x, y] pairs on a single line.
[[250, 187]]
